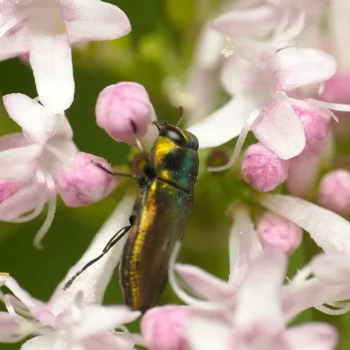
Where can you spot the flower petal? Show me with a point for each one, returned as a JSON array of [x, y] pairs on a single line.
[[96, 278], [9, 328], [295, 67], [224, 124], [43, 342], [210, 44], [205, 334], [19, 164], [21, 202], [109, 341], [280, 130], [302, 174], [265, 279], [14, 42], [51, 60], [89, 20], [203, 283], [30, 302], [95, 319], [255, 21], [339, 29], [331, 268], [313, 292], [244, 245], [35, 120], [329, 230], [314, 336], [240, 76]]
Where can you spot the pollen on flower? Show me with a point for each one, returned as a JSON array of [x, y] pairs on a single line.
[[229, 49], [4, 274]]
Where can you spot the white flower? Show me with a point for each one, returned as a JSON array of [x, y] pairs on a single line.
[[45, 29], [73, 318]]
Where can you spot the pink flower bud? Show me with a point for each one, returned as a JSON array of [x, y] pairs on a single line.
[[336, 89], [263, 169], [85, 183], [279, 232], [163, 328], [334, 191], [8, 189], [118, 104], [316, 125]]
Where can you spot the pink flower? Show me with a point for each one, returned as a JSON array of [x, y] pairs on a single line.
[[164, 328], [84, 183], [8, 189], [217, 294], [259, 90], [278, 232], [73, 318], [257, 321], [35, 159], [336, 89], [334, 191], [304, 168], [45, 29], [330, 231], [118, 104], [263, 169]]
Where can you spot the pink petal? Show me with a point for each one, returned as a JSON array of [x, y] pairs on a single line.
[[331, 268], [255, 21], [14, 42], [224, 124], [203, 283], [339, 28], [9, 328], [51, 61], [280, 130], [329, 230], [301, 296], [89, 20], [35, 120], [264, 279], [295, 67], [303, 173], [19, 164], [95, 319], [21, 202], [30, 302], [312, 336], [37, 308], [108, 341], [205, 334], [244, 246], [95, 279], [13, 141]]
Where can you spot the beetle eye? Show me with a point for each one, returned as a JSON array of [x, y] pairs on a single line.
[[174, 135]]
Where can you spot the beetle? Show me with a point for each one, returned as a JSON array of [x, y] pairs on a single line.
[[159, 216]]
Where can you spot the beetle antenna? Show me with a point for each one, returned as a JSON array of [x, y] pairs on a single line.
[[138, 141], [181, 114]]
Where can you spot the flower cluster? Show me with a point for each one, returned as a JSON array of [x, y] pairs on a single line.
[[285, 81]]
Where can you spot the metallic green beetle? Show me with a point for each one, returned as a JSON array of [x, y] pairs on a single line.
[[159, 217]]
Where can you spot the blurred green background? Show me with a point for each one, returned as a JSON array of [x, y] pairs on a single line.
[[160, 45]]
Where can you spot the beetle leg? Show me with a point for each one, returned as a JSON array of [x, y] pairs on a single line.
[[108, 246], [113, 173]]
